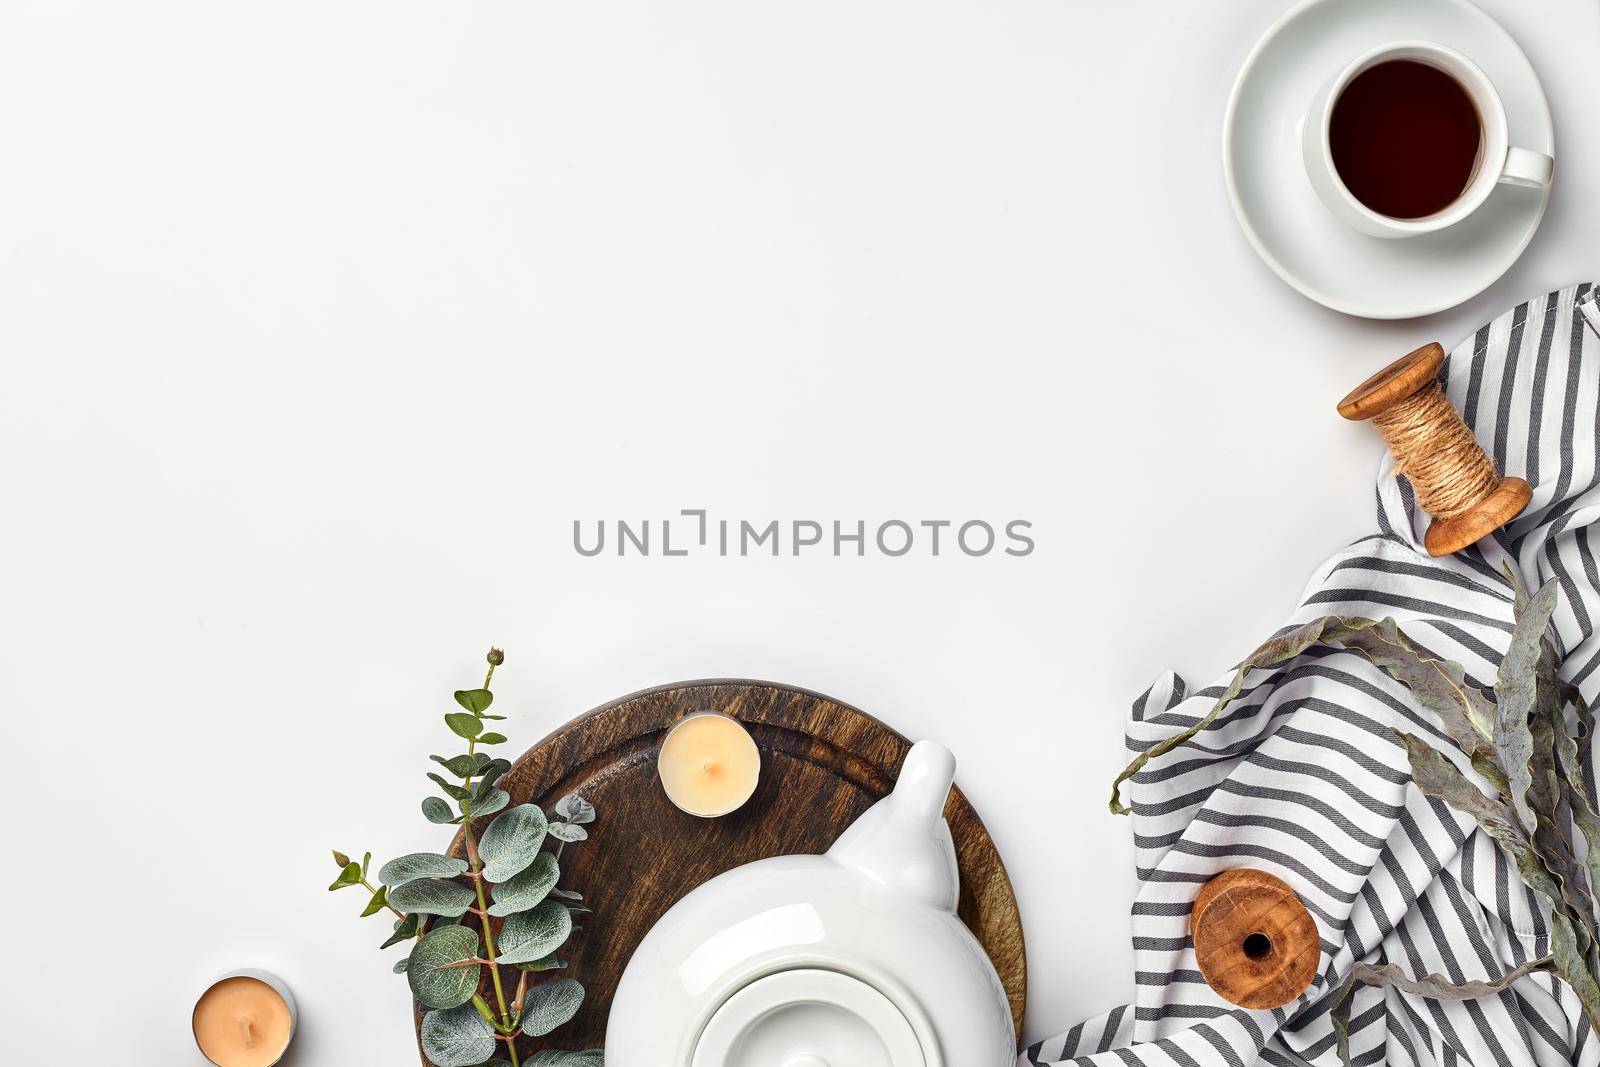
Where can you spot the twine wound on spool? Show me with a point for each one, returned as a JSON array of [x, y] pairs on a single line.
[[1455, 479]]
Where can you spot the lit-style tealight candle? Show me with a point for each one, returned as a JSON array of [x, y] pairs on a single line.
[[708, 764], [246, 1019]]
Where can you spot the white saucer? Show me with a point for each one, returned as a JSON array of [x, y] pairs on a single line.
[[1281, 215]]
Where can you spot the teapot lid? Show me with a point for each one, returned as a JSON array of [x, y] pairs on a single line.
[[808, 1018]]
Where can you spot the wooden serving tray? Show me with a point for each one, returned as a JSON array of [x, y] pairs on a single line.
[[823, 763]]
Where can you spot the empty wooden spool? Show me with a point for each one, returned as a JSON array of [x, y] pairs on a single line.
[[1412, 374], [1255, 943]]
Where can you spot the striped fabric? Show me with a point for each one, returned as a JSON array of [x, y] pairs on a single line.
[[1301, 777]]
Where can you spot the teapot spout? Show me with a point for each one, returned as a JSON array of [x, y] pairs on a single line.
[[903, 842]]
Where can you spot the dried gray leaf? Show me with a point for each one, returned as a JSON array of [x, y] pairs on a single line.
[[1432, 986], [550, 1005], [1550, 797], [457, 1037], [512, 841], [1437, 777], [1572, 964], [1439, 684], [1516, 693], [1570, 765]]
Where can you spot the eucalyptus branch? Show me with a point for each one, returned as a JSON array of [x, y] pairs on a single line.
[[507, 877]]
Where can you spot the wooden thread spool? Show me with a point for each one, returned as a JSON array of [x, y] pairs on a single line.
[[1256, 944], [1455, 479]]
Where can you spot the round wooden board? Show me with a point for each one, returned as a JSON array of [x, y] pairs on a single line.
[[823, 764]]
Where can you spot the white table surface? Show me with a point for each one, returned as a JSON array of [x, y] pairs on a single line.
[[319, 325]]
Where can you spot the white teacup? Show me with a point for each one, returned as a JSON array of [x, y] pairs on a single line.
[[1497, 160]]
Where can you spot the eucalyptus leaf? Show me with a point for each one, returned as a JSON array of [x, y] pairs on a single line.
[[494, 769], [573, 808], [436, 810], [474, 700], [512, 841], [439, 975], [1432, 986], [528, 935], [402, 964], [379, 901], [466, 765], [526, 889], [550, 1005], [416, 865], [1442, 684], [429, 896], [566, 894], [463, 725], [405, 928], [451, 789], [457, 1037], [552, 1058], [491, 738], [366, 862], [569, 832], [351, 875], [543, 963], [491, 802], [1516, 693]]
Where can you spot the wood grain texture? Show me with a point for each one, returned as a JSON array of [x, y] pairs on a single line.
[[823, 764], [1412, 371], [1255, 943]]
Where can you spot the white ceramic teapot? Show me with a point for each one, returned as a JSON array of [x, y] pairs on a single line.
[[854, 958]]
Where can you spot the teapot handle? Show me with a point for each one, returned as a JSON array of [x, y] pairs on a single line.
[[925, 780]]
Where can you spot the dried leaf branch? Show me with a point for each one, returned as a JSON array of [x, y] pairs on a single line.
[[1519, 742]]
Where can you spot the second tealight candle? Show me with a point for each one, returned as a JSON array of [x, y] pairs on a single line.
[[709, 764]]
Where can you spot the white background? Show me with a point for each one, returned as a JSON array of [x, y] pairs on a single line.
[[320, 323]]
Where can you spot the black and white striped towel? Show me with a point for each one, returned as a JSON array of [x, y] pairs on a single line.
[[1301, 777]]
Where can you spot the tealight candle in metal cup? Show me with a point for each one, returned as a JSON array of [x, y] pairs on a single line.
[[709, 764], [245, 1018]]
